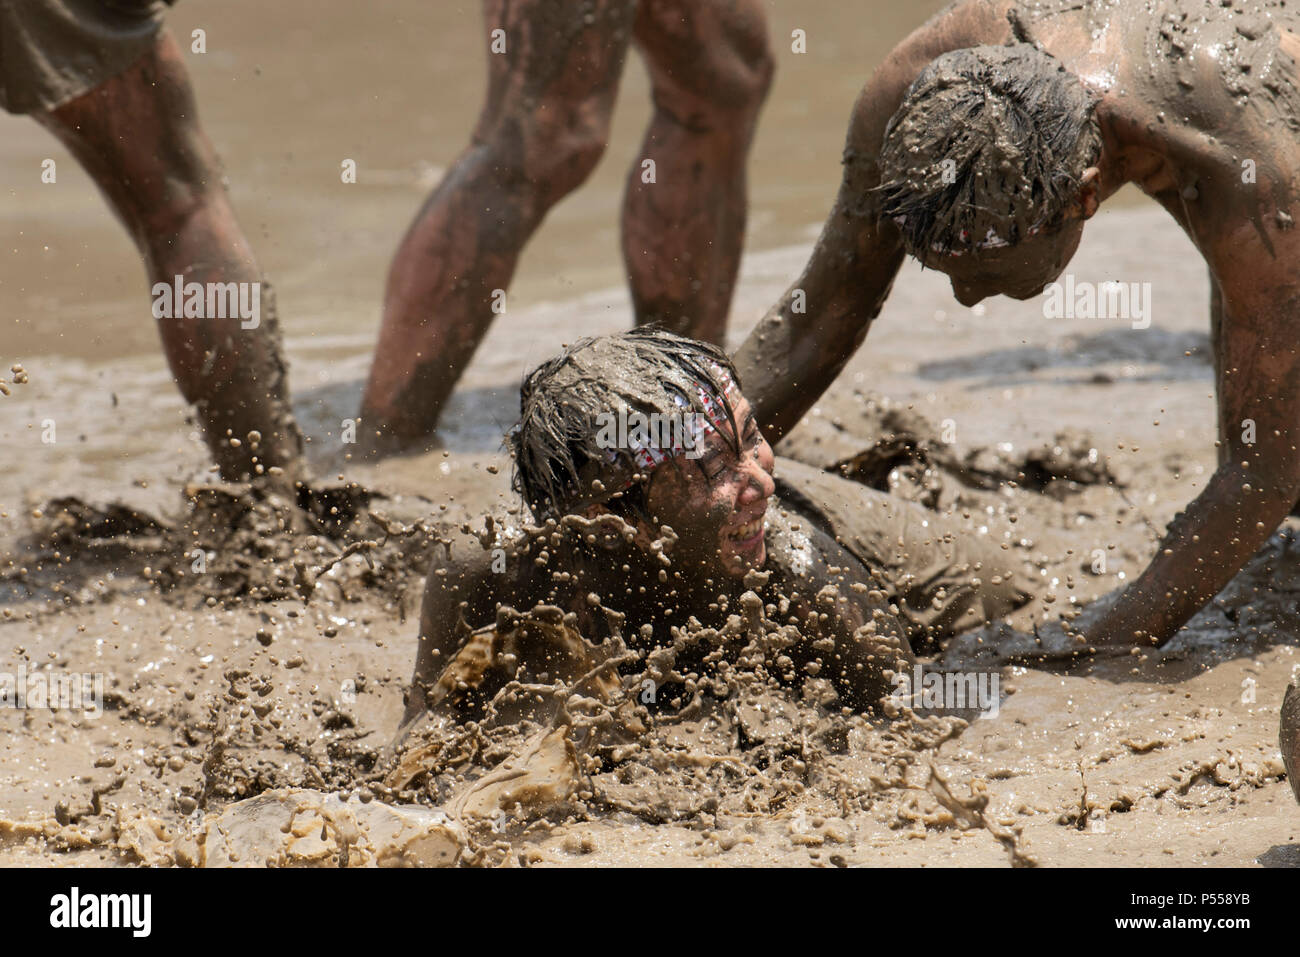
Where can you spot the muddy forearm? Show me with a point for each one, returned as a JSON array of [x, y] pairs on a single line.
[[1206, 546], [784, 366], [800, 346], [1257, 484]]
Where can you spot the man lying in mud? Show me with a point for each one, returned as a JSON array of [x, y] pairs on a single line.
[[659, 527], [110, 82], [981, 146]]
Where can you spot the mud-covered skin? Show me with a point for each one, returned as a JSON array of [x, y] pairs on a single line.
[[1179, 116], [542, 131], [1289, 738], [138, 137]]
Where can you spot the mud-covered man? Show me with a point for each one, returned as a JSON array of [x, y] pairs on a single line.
[[664, 524], [109, 81], [981, 146]]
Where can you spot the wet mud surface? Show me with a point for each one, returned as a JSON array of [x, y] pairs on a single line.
[[250, 698], [268, 742]]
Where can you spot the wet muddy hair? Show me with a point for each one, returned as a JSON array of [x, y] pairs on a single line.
[[988, 140], [559, 468]]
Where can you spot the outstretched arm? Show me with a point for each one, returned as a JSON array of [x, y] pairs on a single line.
[[797, 349], [803, 342], [1258, 480]]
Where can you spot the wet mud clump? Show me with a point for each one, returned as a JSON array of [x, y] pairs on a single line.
[[890, 447], [20, 378], [231, 541]]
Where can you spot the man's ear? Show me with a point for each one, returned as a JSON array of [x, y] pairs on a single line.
[[1089, 193]]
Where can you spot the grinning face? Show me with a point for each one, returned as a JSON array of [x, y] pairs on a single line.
[[716, 503], [1021, 271]]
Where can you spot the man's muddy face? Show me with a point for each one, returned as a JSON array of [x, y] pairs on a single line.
[[1021, 271], [716, 503]]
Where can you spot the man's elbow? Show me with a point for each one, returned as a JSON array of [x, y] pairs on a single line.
[[1266, 485]]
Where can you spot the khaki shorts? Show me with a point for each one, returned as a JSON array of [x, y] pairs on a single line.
[[52, 51]]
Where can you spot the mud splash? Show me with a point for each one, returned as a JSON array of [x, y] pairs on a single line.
[[20, 378], [534, 728], [549, 747], [229, 541]]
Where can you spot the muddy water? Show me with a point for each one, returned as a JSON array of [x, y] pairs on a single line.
[[287, 91]]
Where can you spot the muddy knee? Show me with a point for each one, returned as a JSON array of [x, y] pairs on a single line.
[[710, 63], [551, 90], [545, 158]]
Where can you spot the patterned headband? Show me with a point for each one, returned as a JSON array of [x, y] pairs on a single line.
[[685, 430]]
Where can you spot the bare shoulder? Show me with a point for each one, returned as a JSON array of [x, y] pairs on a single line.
[[1230, 73], [1232, 171], [472, 561], [967, 23], [822, 578], [805, 556]]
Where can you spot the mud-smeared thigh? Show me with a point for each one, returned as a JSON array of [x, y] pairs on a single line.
[[704, 56], [555, 66]]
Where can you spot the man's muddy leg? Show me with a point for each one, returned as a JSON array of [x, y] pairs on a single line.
[[138, 137], [542, 130], [710, 68]]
